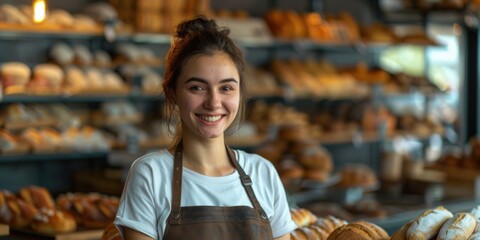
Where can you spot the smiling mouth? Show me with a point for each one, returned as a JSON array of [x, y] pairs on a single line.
[[210, 118]]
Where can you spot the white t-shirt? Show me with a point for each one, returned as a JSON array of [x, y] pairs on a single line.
[[146, 200]]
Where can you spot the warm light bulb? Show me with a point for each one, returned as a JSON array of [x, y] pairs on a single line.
[[39, 10]]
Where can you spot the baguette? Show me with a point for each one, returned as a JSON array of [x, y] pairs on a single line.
[[428, 223], [460, 226]]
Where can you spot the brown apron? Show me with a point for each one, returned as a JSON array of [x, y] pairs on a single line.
[[212, 222]]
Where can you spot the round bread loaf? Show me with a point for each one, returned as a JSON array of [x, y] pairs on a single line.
[[316, 157], [52, 221], [428, 223], [302, 217], [460, 226], [359, 231], [321, 234], [330, 223]]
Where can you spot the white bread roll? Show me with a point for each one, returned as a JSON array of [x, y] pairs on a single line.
[[19, 73], [52, 73], [428, 223], [460, 226], [62, 53]]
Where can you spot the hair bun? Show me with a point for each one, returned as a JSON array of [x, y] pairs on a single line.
[[196, 25]]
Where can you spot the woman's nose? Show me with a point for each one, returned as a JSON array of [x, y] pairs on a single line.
[[213, 100]]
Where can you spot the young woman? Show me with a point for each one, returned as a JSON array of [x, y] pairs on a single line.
[[201, 189]]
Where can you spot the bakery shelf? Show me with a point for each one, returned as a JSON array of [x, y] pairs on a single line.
[[55, 156], [77, 98]]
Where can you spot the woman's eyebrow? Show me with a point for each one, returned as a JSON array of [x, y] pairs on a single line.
[[195, 79]]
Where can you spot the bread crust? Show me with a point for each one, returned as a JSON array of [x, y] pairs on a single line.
[[460, 226], [428, 223]]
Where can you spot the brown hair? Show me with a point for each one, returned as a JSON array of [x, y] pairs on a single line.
[[193, 37]]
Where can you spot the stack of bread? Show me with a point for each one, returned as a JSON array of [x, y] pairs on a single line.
[[357, 175], [311, 227], [34, 208], [317, 79], [63, 54], [439, 222], [158, 15], [91, 210], [293, 25], [19, 17]]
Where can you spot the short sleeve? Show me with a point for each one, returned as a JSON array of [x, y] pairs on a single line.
[[281, 221], [137, 205]]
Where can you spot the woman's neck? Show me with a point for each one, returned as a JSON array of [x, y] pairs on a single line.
[[208, 157]]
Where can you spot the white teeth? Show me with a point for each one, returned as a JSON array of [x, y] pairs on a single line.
[[210, 118]]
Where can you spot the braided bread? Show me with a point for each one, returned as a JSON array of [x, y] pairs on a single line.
[[52, 221], [39, 197], [14, 211]]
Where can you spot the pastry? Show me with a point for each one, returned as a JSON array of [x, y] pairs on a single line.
[[53, 221], [39, 197]]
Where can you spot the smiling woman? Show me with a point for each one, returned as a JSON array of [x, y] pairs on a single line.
[[178, 193]]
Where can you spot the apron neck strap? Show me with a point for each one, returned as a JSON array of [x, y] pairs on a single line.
[[177, 183]]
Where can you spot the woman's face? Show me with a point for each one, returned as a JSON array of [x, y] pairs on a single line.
[[208, 95]]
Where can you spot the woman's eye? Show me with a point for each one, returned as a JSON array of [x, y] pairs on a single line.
[[196, 88], [227, 88]]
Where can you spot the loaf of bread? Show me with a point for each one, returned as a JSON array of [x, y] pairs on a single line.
[[14, 211], [427, 224], [302, 217], [52, 221], [37, 196], [91, 210], [460, 226], [330, 223], [359, 231]]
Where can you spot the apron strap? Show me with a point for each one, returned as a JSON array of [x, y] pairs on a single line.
[[174, 217], [246, 182]]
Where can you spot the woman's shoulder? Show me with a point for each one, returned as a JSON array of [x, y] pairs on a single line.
[[253, 159], [157, 158]]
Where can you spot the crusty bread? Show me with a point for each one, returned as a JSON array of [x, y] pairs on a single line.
[[302, 217], [37, 196], [321, 234], [359, 231], [52, 221], [428, 223], [460, 226], [330, 223], [401, 234]]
